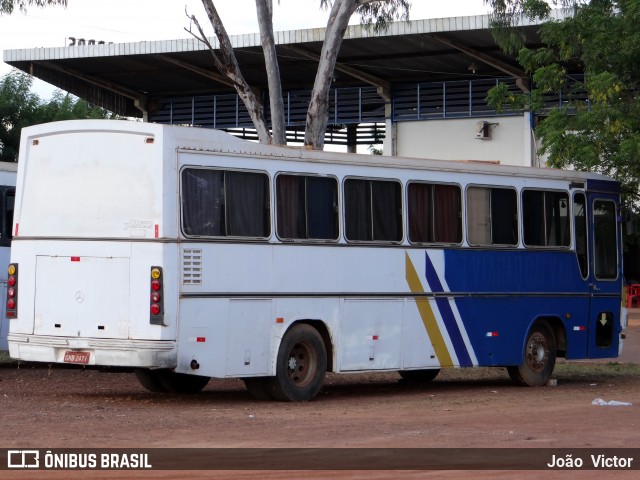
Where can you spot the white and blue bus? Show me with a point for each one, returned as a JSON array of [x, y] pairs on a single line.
[[185, 254], [7, 196]]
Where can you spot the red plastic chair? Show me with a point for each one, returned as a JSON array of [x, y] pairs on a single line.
[[633, 293]]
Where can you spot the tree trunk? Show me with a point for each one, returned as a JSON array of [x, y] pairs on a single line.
[[265, 21], [318, 112], [228, 66]]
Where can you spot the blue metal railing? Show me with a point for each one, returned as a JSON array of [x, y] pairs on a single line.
[[356, 105]]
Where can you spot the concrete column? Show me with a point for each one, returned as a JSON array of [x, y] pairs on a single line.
[[352, 138]]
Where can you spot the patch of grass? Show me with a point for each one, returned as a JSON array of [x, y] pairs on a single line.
[[587, 369], [5, 358]]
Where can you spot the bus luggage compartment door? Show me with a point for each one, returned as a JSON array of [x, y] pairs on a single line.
[[82, 297]]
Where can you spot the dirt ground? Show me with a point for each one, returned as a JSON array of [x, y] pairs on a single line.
[[77, 408]]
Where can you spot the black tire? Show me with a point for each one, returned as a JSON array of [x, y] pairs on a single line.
[[258, 388], [423, 376], [182, 382], [164, 380], [150, 380], [539, 358], [301, 365]]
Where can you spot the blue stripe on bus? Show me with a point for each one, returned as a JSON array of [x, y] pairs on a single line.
[[448, 316]]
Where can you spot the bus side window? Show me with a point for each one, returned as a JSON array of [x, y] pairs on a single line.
[[247, 201], [605, 240], [580, 226], [373, 210], [492, 216], [225, 203], [434, 213], [545, 216], [307, 207]]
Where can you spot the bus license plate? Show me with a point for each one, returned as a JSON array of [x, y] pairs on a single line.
[[76, 357]]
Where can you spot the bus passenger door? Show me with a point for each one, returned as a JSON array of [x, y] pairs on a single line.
[[605, 276]]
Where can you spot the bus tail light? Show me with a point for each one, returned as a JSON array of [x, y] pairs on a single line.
[[12, 291], [156, 304]]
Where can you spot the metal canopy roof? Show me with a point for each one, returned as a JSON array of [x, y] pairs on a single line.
[[129, 77]]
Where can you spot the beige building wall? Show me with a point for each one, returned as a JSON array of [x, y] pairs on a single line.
[[508, 140]]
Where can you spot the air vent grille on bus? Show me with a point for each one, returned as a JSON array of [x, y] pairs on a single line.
[[191, 266]]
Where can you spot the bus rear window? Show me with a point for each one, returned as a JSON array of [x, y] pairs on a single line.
[[492, 216], [225, 203]]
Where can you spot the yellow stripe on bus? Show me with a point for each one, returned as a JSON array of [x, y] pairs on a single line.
[[428, 318]]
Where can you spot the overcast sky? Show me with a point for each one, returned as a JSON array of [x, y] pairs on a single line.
[[138, 20]]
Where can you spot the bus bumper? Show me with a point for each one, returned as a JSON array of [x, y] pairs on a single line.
[[93, 351]]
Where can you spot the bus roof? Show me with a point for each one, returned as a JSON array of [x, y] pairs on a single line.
[[210, 140]]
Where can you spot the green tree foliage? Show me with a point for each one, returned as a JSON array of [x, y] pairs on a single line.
[[9, 6], [602, 134], [19, 108]]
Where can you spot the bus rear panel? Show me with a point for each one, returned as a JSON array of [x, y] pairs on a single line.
[[90, 215]]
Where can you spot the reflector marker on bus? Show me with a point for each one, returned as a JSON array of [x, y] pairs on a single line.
[[197, 339], [579, 328], [157, 231], [492, 334], [279, 320], [75, 259]]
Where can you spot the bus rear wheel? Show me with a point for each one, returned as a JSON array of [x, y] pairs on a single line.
[[539, 358], [301, 365], [150, 380], [164, 380], [422, 376]]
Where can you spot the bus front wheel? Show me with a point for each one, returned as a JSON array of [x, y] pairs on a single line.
[[301, 365], [539, 358]]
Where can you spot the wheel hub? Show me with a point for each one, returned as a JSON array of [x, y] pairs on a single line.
[[537, 352], [293, 363]]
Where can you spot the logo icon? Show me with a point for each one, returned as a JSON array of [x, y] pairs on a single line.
[[79, 296], [23, 459]]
